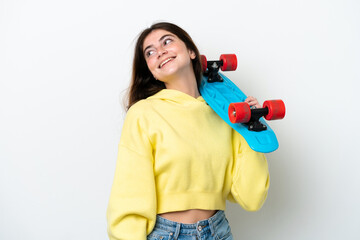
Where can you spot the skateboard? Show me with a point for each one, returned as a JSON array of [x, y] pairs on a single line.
[[227, 100]]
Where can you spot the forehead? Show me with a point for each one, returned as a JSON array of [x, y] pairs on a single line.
[[155, 36]]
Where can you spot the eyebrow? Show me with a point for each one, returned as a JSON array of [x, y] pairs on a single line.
[[166, 35]]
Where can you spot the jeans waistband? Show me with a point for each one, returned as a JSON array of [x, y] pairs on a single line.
[[203, 226]]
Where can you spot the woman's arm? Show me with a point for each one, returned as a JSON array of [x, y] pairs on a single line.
[[250, 176], [131, 212]]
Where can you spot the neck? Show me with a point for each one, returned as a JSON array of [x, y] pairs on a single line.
[[185, 83]]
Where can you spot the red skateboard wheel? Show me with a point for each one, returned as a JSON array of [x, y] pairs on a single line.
[[203, 62], [276, 109], [229, 62], [239, 112]]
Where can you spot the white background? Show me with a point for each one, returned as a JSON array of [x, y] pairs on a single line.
[[64, 67]]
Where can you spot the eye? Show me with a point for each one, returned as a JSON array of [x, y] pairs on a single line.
[[149, 53], [167, 41]]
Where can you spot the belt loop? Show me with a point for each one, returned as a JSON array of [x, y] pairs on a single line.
[[177, 231], [211, 225]]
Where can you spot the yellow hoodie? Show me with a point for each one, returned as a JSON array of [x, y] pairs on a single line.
[[176, 153]]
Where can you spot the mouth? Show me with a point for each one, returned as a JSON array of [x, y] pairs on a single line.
[[166, 61]]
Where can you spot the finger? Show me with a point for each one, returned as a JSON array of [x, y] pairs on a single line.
[[255, 103], [249, 98], [252, 102]]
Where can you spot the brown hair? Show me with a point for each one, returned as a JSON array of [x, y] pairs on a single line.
[[143, 84]]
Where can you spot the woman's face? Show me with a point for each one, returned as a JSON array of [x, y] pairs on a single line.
[[166, 55]]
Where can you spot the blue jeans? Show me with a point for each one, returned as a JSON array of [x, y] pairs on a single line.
[[214, 228]]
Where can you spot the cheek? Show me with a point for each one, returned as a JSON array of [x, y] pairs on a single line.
[[151, 64]]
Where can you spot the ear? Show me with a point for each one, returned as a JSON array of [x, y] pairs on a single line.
[[192, 54]]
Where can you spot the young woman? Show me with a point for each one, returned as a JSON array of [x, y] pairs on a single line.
[[178, 161]]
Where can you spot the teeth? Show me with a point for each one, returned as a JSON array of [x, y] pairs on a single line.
[[166, 61]]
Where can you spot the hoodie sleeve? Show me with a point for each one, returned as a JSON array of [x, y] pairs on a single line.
[[131, 212], [250, 176]]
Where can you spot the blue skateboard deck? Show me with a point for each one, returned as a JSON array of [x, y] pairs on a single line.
[[219, 95]]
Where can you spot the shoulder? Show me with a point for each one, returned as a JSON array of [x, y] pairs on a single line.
[[141, 108], [147, 105], [140, 113], [136, 112], [138, 107]]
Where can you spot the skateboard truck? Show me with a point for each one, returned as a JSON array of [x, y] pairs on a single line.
[[241, 112], [254, 124], [248, 116], [212, 71], [227, 62]]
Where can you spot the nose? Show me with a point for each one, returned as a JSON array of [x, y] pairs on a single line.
[[162, 51]]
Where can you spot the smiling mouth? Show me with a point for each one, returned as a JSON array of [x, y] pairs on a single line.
[[166, 61]]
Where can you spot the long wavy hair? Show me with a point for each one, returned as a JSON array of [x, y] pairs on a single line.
[[143, 84]]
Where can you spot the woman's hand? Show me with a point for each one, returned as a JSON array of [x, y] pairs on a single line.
[[253, 102]]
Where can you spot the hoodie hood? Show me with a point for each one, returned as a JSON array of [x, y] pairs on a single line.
[[175, 96]]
